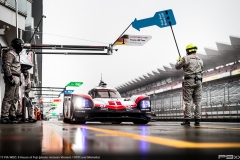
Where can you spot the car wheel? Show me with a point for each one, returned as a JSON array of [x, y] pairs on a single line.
[[65, 120], [140, 122], [71, 119], [117, 122]]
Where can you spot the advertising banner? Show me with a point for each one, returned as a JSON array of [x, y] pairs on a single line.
[[133, 40]]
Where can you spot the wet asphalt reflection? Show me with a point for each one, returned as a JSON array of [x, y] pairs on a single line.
[[155, 138]]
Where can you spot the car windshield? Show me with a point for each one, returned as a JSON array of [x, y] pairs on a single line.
[[108, 94]]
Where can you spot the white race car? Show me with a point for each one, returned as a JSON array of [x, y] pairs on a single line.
[[104, 104]]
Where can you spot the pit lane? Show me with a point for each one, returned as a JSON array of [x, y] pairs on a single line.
[[152, 141]]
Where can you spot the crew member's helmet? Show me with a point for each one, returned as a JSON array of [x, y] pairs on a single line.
[[17, 44], [191, 48]]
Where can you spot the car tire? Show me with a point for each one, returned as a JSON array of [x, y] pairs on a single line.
[[65, 120], [71, 119], [140, 122]]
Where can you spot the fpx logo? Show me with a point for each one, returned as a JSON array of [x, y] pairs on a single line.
[[228, 157]]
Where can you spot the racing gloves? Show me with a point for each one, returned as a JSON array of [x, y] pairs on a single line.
[[12, 82], [179, 58]]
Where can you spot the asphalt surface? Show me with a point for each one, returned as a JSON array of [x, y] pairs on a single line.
[[156, 140]]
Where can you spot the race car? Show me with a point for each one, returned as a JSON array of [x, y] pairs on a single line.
[[104, 104]]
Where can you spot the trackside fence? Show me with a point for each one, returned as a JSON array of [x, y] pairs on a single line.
[[218, 102]]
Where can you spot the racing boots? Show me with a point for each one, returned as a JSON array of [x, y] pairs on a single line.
[[14, 120], [31, 120], [197, 122], [20, 118], [186, 122], [6, 120]]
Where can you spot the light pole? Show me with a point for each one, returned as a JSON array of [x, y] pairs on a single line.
[[16, 5]]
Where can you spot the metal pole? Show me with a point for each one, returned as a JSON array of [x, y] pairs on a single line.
[[171, 106], [16, 6], [237, 106], [37, 28], [73, 53], [157, 109], [51, 48], [122, 33], [48, 94], [228, 104], [174, 38], [34, 63], [210, 100], [20, 33], [161, 108], [48, 90], [49, 97], [50, 87], [178, 105], [228, 92], [56, 46]]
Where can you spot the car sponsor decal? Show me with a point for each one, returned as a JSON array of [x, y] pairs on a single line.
[[103, 107], [115, 106], [145, 109], [129, 108]]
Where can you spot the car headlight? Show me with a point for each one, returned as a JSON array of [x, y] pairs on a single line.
[[144, 104], [80, 102]]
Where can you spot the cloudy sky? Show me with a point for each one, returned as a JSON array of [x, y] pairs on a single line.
[[95, 22]]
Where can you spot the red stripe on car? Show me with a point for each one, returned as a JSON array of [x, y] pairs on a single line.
[[111, 103], [84, 96], [140, 98], [118, 103]]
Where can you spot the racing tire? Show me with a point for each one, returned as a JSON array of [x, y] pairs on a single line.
[[140, 122], [71, 120], [65, 120], [72, 116]]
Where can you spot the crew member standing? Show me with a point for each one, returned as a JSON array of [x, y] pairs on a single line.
[[192, 85], [26, 84], [12, 70], [26, 92]]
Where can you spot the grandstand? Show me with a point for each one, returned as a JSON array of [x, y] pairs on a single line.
[[221, 85]]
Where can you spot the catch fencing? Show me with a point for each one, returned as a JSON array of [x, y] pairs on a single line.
[[220, 101]]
